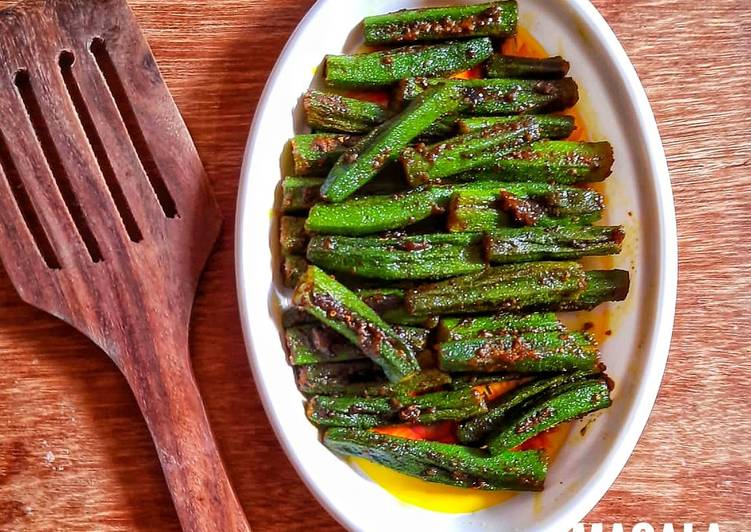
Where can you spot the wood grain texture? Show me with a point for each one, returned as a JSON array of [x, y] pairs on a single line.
[[75, 453]]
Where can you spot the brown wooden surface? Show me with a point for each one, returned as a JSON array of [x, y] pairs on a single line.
[[75, 453], [129, 287]]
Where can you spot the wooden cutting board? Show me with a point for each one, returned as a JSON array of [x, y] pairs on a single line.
[[75, 454]]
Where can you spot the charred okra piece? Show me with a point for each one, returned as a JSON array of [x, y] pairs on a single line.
[[389, 304], [339, 378], [550, 126], [476, 430], [555, 161], [548, 352], [292, 235], [432, 164], [443, 463], [493, 19], [509, 66], [505, 246], [293, 268], [299, 194], [364, 413], [602, 286], [341, 309], [364, 161], [455, 329], [508, 288], [316, 153], [332, 112], [493, 97], [432, 256], [567, 403], [318, 344], [382, 69]]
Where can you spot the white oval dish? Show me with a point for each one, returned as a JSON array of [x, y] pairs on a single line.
[[640, 197]]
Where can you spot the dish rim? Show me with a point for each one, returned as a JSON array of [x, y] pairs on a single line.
[[664, 307]]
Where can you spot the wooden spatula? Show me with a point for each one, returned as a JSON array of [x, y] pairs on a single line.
[[107, 219]]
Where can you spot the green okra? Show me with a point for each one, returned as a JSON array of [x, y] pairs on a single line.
[[433, 164], [356, 377], [299, 194], [493, 97], [453, 329], [492, 19], [468, 380], [501, 288], [601, 286], [509, 66], [443, 463], [553, 161], [333, 112], [385, 68], [364, 413], [293, 268], [316, 153], [526, 244], [431, 256], [375, 214], [478, 210], [389, 304], [292, 235], [342, 310], [318, 344], [550, 126], [567, 403], [364, 161], [476, 430], [524, 353]]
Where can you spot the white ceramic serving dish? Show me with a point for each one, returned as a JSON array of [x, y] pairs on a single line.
[[615, 108]]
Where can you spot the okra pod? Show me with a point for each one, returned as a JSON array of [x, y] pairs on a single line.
[[292, 235], [443, 463], [509, 66], [385, 68], [375, 214], [364, 161], [299, 194], [554, 161], [293, 268], [480, 210], [339, 378], [505, 246], [341, 309], [601, 286], [481, 97], [507, 288], [524, 353], [571, 402], [493, 19], [476, 430], [432, 164], [333, 112], [432, 256], [550, 126], [363, 413], [455, 329], [315, 154], [317, 344]]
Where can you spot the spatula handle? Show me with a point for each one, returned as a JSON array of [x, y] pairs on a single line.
[[168, 395]]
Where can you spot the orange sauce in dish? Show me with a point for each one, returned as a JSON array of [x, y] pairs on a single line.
[[452, 500]]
